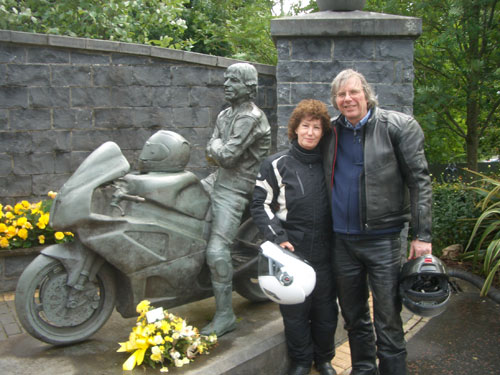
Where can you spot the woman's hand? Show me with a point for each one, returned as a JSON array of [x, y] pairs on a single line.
[[287, 245]]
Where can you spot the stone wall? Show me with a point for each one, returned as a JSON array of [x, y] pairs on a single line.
[[62, 97]]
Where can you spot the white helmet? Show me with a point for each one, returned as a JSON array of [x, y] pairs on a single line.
[[283, 276]]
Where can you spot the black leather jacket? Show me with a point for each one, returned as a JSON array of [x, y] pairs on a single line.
[[395, 185]]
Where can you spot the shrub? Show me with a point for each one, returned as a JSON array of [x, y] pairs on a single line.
[[453, 210]]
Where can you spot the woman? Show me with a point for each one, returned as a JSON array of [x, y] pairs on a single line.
[[290, 207]]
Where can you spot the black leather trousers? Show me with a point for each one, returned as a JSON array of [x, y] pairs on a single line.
[[310, 326], [359, 264]]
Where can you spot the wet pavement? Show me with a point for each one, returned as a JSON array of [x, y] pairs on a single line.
[[464, 340]]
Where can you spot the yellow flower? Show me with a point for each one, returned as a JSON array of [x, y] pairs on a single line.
[[25, 204], [41, 239], [9, 215], [28, 225], [52, 194], [59, 235], [18, 208], [21, 222], [4, 242], [22, 233], [156, 354], [8, 208], [143, 306], [11, 231], [3, 228], [43, 221], [69, 234]]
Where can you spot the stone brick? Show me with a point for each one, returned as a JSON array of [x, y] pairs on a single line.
[[71, 75], [189, 76], [49, 141], [35, 163], [305, 91], [28, 75], [47, 55], [191, 117], [132, 75], [62, 163], [171, 96], [89, 58], [284, 93], [90, 97], [13, 97], [378, 71], [15, 186], [30, 119], [206, 97], [5, 164], [294, 71], [393, 49], [16, 142], [130, 59], [326, 71], [395, 96], [357, 49], [132, 96], [11, 53], [4, 119], [316, 49], [283, 49], [43, 183], [72, 118], [148, 117], [48, 97], [14, 267]]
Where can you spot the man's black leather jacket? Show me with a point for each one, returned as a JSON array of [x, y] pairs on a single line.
[[395, 185]]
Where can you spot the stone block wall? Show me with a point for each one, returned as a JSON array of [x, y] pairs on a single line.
[[62, 97]]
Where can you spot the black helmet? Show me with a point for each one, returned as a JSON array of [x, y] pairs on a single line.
[[424, 286]]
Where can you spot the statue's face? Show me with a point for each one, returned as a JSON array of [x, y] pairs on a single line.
[[235, 89]]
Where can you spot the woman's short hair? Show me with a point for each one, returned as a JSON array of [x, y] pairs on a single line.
[[340, 80], [308, 108]]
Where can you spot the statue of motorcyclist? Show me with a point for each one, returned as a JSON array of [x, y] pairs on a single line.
[[240, 140]]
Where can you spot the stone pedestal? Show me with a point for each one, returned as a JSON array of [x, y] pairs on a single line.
[[313, 48]]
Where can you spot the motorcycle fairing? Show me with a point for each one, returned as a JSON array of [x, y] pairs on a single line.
[[73, 202]]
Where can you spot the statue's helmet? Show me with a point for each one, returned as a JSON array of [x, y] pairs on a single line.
[[164, 151]]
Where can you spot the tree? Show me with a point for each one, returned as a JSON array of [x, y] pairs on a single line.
[[457, 74]]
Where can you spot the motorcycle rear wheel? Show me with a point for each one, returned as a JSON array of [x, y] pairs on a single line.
[[42, 299], [246, 282]]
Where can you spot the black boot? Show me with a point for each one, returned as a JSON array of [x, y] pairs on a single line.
[[299, 370], [326, 368]]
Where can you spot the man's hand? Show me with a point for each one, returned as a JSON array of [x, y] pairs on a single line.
[[419, 248]]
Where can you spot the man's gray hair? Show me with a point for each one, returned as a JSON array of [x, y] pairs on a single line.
[[341, 79]]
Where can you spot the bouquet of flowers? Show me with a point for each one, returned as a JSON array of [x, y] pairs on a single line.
[[161, 338], [27, 225]]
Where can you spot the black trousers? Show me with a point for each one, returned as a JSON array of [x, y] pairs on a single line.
[[359, 264], [310, 326]]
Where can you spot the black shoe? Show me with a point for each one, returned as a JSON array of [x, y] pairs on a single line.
[[299, 370], [326, 368]]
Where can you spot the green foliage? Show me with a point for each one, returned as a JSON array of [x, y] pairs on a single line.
[[486, 231], [140, 21], [457, 74], [238, 29], [453, 207]]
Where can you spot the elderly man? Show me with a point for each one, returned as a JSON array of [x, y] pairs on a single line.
[[241, 139], [377, 173]]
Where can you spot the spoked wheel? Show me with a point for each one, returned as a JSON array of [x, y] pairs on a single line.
[[245, 256], [56, 313]]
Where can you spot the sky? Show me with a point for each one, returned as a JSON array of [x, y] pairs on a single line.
[[286, 6]]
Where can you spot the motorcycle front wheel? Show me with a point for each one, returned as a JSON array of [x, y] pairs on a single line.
[[53, 312]]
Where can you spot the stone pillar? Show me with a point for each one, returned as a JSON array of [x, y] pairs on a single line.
[[313, 48]]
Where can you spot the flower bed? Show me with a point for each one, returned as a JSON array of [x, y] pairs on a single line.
[[24, 228]]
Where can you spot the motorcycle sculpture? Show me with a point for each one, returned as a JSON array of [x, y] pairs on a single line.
[[137, 236]]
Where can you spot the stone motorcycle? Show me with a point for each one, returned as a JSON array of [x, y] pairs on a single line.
[[138, 236]]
